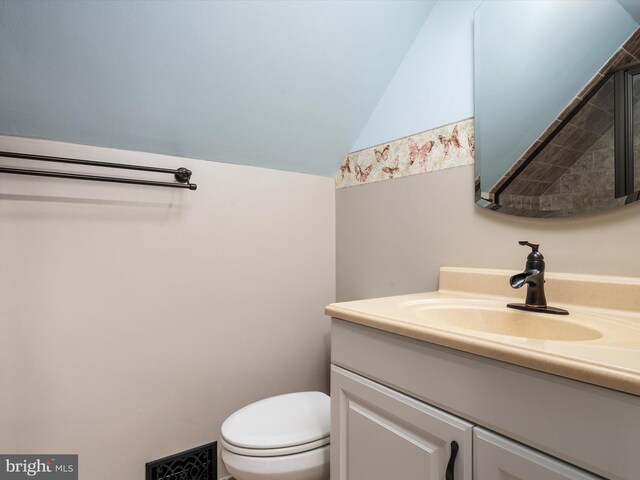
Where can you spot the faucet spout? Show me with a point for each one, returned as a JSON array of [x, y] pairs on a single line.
[[530, 277], [518, 281]]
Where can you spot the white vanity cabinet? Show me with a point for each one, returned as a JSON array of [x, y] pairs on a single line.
[[384, 435], [398, 403]]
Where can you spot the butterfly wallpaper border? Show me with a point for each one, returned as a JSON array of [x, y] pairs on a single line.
[[442, 147]]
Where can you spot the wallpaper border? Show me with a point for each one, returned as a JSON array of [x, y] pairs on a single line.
[[447, 146]]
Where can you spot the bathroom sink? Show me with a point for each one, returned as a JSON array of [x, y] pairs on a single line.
[[499, 320], [598, 342]]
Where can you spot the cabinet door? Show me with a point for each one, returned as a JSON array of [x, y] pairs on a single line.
[[380, 434], [498, 458]]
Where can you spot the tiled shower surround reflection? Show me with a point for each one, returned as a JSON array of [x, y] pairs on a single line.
[[443, 147], [574, 173]]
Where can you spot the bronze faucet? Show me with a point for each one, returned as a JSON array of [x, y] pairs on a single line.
[[533, 277]]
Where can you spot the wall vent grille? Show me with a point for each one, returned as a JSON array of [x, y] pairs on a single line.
[[199, 463]]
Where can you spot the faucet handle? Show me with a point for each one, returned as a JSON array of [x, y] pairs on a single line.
[[535, 254], [534, 247]]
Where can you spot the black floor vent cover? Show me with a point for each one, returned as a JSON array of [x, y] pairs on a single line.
[[196, 464]]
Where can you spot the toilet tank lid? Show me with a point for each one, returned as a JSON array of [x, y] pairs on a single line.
[[282, 421]]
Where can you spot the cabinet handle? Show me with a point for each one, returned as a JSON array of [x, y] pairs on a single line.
[[452, 460]]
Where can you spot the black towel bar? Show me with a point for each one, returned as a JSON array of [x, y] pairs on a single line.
[[182, 175]]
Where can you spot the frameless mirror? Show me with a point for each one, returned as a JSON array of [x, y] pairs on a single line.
[[555, 91]]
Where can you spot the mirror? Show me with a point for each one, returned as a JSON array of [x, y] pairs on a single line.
[[554, 136]]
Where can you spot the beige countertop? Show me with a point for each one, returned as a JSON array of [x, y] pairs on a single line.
[[595, 343]]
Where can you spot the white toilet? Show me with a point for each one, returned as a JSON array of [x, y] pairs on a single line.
[[284, 438]]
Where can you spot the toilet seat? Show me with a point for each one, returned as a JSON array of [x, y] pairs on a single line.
[[274, 452], [292, 422]]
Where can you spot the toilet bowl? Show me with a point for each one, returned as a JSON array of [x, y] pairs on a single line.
[[284, 437]]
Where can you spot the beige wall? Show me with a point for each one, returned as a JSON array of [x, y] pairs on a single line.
[[392, 236], [134, 320]]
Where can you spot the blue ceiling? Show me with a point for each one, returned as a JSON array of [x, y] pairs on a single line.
[[278, 84]]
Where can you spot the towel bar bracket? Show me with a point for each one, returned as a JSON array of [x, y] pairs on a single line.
[[183, 175]]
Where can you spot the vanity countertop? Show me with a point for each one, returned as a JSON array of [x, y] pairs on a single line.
[[597, 343]]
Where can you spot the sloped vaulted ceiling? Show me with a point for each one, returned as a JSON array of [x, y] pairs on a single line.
[[286, 85]]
